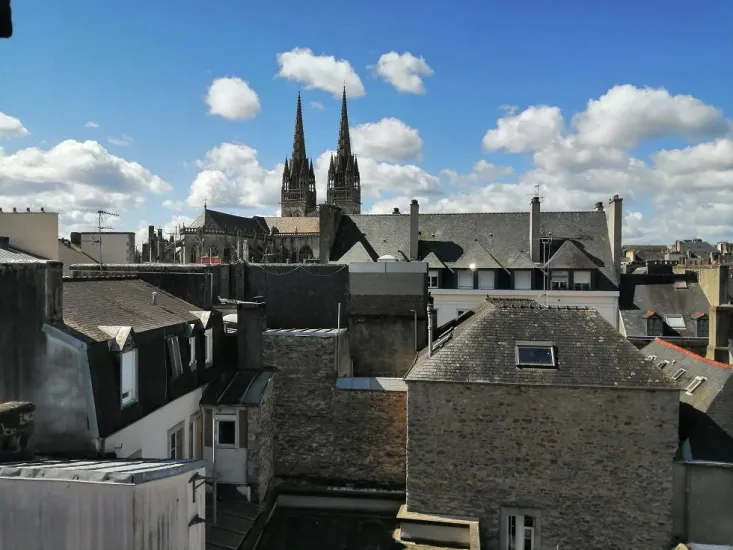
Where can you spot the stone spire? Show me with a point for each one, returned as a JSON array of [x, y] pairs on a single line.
[[344, 181], [298, 193], [344, 144], [299, 137]]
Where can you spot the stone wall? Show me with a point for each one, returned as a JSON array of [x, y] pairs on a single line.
[[596, 463], [260, 444], [384, 346], [324, 435]]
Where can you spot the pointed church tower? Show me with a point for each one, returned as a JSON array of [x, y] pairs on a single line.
[[298, 195], [344, 182]]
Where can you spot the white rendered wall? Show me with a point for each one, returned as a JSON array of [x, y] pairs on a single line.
[[150, 434], [33, 232], [117, 248]]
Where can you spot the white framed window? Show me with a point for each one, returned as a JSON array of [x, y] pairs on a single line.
[[520, 531], [486, 279], [128, 377], [433, 278], [523, 280], [675, 321], [174, 352], [209, 337], [559, 280], [226, 435], [175, 441], [465, 279], [581, 280], [195, 433], [535, 354], [192, 352]]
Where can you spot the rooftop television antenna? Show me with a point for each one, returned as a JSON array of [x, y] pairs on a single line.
[[101, 213]]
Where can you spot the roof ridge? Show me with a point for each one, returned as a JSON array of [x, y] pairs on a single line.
[[693, 355], [406, 214], [98, 276]]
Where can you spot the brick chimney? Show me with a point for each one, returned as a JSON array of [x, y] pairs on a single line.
[[251, 323], [414, 229], [614, 219], [534, 230]]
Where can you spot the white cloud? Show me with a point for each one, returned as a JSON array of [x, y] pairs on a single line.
[[532, 129], [75, 179], [481, 172], [91, 124], [317, 105], [233, 99], [11, 127], [122, 141], [389, 139], [404, 71], [174, 205], [322, 72]]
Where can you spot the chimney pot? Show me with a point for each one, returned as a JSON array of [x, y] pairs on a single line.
[[599, 207]]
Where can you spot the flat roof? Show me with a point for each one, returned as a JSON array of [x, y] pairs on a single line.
[[100, 471]]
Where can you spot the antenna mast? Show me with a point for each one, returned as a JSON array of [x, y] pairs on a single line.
[[101, 213]]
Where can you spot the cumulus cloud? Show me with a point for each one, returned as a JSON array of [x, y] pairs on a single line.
[[404, 71], [532, 129], [389, 139], [481, 172], [11, 127], [321, 72], [232, 98], [75, 179]]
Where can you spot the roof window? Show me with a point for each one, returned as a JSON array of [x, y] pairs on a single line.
[[680, 285], [677, 375], [662, 364], [535, 354], [695, 384], [675, 321]]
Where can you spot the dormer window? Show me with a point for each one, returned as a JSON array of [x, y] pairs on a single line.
[[654, 326], [535, 354], [174, 353], [465, 279], [581, 280], [559, 280], [675, 321], [486, 279], [702, 326], [128, 377], [433, 278]]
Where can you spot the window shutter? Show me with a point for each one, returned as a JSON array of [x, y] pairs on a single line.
[[208, 429], [243, 428]]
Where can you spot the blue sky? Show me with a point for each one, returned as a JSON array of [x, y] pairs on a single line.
[[142, 70]]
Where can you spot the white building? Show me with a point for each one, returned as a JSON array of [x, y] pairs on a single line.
[[109, 247]]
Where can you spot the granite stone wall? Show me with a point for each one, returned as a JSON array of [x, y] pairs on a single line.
[[595, 463], [395, 353], [329, 436], [260, 443]]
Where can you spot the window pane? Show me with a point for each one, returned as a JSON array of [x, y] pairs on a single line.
[[559, 280], [581, 280], [522, 280], [675, 321], [192, 351], [486, 279], [465, 278], [128, 377], [540, 355], [226, 432]]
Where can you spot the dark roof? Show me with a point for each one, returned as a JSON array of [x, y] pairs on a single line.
[[570, 256], [589, 352], [230, 223], [237, 387], [718, 374], [453, 238], [121, 301], [696, 247], [640, 294], [706, 441], [648, 252]]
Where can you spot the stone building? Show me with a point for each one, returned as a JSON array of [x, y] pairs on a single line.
[[547, 426], [344, 181], [298, 194]]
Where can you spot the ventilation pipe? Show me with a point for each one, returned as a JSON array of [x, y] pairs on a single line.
[[155, 298], [430, 329], [414, 229], [534, 230]]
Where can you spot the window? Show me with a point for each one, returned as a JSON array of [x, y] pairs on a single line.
[[227, 433], [485, 279], [581, 280], [520, 533], [695, 384], [522, 280], [209, 336], [654, 326], [674, 321], [174, 352], [128, 377], [192, 352], [559, 280], [677, 375], [433, 278], [662, 364], [465, 278], [175, 442], [703, 327], [680, 285], [535, 354]]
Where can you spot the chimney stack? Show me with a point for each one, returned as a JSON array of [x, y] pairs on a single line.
[[43, 210], [414, 229], [599, 207], [75, 239], [15, 209], [614, 219], [534, 230], [28, 209], [4, 243], [251, 323], [396, 211]]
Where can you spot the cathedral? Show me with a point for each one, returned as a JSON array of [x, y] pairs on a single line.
[[298, 195]]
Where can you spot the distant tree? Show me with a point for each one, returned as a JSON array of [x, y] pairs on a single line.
[[6, 20]]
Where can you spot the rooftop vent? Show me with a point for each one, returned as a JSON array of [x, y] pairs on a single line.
[[155, 298], [695, 384], [677, 375]]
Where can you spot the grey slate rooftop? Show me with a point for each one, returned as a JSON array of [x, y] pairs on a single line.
[[120, 301], [589, 352], [99, 471], [718, 375]]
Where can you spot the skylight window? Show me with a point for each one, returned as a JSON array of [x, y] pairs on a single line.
[[680, 284], [695, 384], [662, 364], [674, 321], [535, 354], [677, 375]]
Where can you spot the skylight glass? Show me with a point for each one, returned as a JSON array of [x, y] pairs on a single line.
[[674, 321], [695, 384], [535, 355]]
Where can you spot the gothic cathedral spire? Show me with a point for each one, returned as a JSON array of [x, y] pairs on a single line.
[[298, 195], [344, 181]]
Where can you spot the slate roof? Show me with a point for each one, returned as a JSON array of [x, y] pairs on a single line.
[[237, 387], [120, 301], [718, 375], [14, 254], [648, 252], [589, 352], [221, 221], [305, 224], [453, 237], [640, 294], [569, 256], [696, 247]]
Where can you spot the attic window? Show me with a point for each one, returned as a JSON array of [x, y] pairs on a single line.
[[677, 375], [654, 326], [695, 384], [702, 325], [535, 354], [680, 284], [675, 321]]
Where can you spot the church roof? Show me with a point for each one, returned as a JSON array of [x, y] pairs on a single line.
[[221, 221], [283, 224]]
